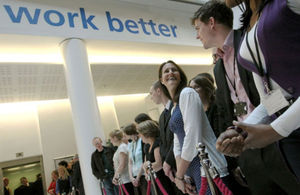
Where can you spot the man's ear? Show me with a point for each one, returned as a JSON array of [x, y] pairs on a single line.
[[212, 22], [158, 91]]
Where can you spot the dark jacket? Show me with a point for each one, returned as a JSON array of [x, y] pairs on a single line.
[[37, 187], [223, 99], [166, 137], [64, 185], [7, 191], [23, 190], [98, 164], [77, 178], [213, 118]]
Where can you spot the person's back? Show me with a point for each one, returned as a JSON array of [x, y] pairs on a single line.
[[22, 190], [77, 178], [6, 191], [37, 186], [64, 185]]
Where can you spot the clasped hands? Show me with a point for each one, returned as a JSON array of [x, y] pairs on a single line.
[[242, 136]]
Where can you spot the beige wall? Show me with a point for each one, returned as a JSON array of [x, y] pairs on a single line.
[[128, 107], [57, 136], [109, 119], [47, 129], [19, 131]]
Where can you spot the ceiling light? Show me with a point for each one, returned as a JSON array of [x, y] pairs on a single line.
[[31, 165], [13, 169]]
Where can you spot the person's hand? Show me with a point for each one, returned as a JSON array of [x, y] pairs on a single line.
[[51, 192], [136, 182], [190, 189], [239, 177], [230, 142], [115, 180], [145, 165], [258, 136], [132, 179], [168, 171], [180, 184]]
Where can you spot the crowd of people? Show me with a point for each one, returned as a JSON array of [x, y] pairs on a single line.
[[26, 187], [67, 179], [245, 116]]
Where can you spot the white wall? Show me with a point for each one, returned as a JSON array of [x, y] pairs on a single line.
[[46, 128], [19, 131], [109, 119], [57, 134], [128, 107]]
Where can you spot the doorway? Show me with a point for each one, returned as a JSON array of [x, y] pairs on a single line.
[[26, 167]]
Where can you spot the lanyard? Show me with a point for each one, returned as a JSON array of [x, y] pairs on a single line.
[[233, 84], [258, 64], [134, 146]]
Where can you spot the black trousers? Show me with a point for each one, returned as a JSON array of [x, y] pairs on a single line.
[[267, 173], [142, 188], [234, 186], [129, 187], [290, 148]]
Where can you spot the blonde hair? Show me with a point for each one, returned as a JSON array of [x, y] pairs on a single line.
[[66, 173], [149, 129], [116, 133]]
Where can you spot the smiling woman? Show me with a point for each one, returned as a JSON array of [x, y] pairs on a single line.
[[190, 126]]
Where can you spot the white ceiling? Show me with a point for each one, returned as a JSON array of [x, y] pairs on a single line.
[[32, 82]]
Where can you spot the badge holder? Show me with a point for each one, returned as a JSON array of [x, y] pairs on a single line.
[[240, 108]]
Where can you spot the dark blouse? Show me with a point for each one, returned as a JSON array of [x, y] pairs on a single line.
[[212, 115], [150, 154]]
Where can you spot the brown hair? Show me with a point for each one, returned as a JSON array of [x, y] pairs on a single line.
[[148, 129], [130, 129], [182, 83], [216, 9], [159, 85], [207, 87]]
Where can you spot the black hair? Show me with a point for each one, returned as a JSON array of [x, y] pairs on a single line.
[[247, 12], [63, 163], [141, 118]]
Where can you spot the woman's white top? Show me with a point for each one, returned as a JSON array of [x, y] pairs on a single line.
[[197, 129], [125, 174]]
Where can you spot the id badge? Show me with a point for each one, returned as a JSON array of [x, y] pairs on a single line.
[[274, 101], [240, 108]]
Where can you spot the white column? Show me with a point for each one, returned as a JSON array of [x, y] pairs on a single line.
[[86, 117]]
